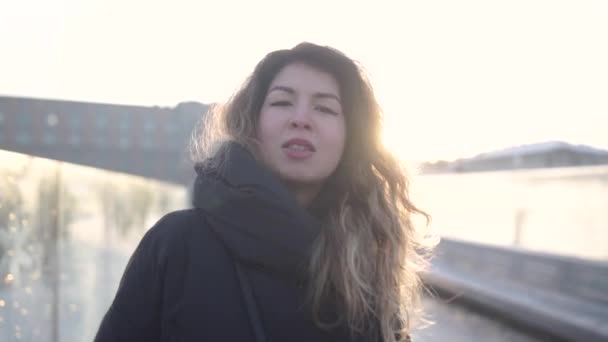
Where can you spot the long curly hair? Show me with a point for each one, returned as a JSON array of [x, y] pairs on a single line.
[[368, 256]]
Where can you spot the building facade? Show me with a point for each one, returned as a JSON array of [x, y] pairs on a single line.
[[145, 141]]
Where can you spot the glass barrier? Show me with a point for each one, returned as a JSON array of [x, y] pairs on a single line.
[[66, 233]]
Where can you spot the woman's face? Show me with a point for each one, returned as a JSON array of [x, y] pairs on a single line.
[[301, 129]]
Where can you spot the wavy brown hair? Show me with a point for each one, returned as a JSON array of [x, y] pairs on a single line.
[[368, 256]]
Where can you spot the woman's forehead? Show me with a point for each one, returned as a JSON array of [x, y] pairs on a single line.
[[301, 78]]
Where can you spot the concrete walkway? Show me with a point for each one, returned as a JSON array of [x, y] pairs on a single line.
[[456, 323]]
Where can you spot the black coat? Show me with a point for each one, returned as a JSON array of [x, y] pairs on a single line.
[[230, 269]]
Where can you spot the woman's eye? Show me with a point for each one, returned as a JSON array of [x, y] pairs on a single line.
[[280, 103], [326, 110]]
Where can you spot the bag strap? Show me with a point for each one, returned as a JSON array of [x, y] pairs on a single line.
[[250, 303]]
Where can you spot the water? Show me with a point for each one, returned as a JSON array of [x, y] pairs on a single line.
[[560, 211]]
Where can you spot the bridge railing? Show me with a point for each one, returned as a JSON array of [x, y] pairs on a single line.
[[558, 296]]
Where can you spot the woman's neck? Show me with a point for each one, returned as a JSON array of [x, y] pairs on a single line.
[[304, 193]]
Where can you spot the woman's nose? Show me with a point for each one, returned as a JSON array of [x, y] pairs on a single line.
[[297, 123], [301, 118]]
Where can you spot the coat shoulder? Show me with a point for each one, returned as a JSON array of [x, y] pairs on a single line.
[[152, 280], [180, 222], [173, 232]]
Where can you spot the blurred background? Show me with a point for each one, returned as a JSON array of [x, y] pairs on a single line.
[[499, 108]]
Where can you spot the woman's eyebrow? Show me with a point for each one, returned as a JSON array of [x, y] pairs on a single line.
[[319, 95], [282, 88], [328, 96]]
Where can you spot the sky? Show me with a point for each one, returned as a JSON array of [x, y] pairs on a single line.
[[455, 78]]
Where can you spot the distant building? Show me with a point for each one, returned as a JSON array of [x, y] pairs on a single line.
[[542, 155], [146, 141]]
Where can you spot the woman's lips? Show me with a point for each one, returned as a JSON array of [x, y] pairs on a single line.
[[298, 149]]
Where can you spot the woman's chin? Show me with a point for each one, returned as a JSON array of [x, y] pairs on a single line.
[[301, 181]]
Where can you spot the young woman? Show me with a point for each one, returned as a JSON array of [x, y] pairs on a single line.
[[301, 228]]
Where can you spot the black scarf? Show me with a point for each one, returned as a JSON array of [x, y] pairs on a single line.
[[254, 214]]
